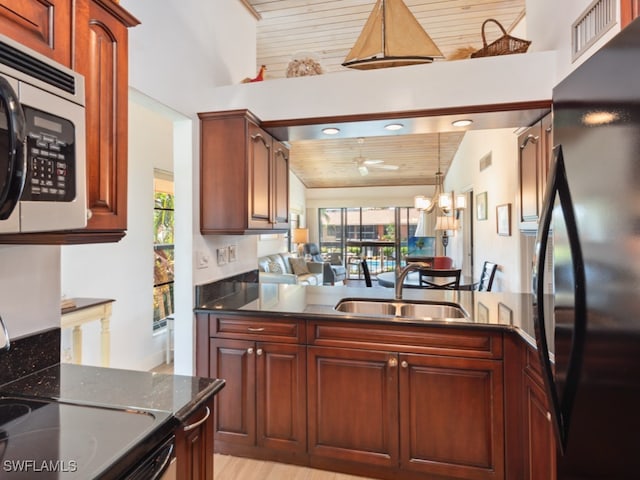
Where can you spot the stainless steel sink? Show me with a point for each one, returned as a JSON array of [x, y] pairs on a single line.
[[402, 309]]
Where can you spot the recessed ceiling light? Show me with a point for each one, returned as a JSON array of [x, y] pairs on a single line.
[[394, 126], [462, 123], [330, 130]]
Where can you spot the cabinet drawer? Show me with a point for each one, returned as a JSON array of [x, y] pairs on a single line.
[[459, 343], [256, 328]]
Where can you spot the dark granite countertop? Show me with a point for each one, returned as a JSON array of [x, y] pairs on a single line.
[[507, 311], [110, 387]]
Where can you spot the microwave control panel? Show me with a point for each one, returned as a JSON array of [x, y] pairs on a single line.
[[50, 154]]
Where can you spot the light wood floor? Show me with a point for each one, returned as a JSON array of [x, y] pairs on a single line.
[[226, 467]]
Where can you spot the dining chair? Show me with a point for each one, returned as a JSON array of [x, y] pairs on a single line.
[[487, 276], [440, 278]]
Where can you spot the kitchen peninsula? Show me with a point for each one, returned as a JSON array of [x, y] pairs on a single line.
[[376, 395]]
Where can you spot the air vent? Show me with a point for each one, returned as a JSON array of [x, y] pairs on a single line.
[[485, 162], [25, 63], [591, 25]]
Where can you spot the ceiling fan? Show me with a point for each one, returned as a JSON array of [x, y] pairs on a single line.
[[364, 164]]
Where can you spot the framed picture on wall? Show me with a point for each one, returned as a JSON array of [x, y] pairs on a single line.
[[481, 206], [503, 219]]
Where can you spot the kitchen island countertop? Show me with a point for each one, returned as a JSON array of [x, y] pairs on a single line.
[[510, 311]]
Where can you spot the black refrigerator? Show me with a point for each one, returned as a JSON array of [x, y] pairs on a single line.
[[590, 349]]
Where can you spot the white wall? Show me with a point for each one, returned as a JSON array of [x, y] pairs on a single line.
[[500, 181], [29, 288], [549, 28], [177, 56], [124, 270]]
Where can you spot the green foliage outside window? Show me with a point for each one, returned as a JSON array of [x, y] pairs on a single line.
[[163, 271]]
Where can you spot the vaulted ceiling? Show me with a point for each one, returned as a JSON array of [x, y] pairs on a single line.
[[325, 31]]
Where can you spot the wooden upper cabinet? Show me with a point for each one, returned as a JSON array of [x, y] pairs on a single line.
[[102, 57], [629, 10], [44, 26], [535, 147], [280, 185], [244, 176]]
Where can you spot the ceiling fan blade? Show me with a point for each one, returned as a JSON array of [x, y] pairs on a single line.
[[373, 162], [386, 167]]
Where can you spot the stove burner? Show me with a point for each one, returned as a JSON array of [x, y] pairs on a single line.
[[13, 412]]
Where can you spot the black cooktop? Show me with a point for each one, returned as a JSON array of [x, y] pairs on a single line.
[[57, 440]]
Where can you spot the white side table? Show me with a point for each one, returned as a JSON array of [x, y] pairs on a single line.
[[87, 310]]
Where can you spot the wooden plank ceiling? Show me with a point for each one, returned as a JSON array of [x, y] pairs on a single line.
[[325, 30]]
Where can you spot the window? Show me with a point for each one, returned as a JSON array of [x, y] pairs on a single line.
[[163, 248], [373, 233]]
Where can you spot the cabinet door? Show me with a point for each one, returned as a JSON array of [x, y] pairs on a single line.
[[353, 405], [530, 144], [280, 185], [194, 445], [539, 450], [629, 10], [281, 413], [260, 179], [451, 416], [546, 153], [235, 404], [101, 56], [45, 27]]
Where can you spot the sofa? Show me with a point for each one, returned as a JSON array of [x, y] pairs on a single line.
[[285, 268]]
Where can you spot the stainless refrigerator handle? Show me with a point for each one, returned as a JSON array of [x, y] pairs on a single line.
[[561, 409]]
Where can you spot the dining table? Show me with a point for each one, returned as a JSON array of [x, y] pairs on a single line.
[[388, 280]]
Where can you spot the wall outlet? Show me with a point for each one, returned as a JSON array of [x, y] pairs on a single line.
[[232, 253], [202, 260], [222, 256]]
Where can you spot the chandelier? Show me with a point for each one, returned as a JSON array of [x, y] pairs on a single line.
[[442, 204]]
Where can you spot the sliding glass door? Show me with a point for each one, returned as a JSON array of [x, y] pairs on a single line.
[[380, 236]]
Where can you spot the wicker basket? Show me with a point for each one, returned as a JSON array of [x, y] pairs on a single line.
[[505, 45]]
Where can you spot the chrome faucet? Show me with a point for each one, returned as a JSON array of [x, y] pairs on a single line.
[[401, 274]]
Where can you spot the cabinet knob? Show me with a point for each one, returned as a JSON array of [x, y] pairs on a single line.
[[393, 362], [259, 351], [404, 364], [89, 214], [250, 350]]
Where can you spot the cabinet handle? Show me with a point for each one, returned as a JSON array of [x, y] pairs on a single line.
[[393, 362], [250, 350], [253, 329], [199, 422], [259, 136], [530, 138], [404, 364], [549, 416], [259, 351]]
